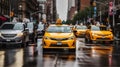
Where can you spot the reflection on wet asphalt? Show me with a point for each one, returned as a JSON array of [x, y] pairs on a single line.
[[85, 56]]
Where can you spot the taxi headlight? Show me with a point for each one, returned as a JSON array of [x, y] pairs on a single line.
[[20, 34], [46, 37], [93, 34], [71, 38]]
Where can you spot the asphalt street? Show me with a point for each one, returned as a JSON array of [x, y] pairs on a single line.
[[86, 55]]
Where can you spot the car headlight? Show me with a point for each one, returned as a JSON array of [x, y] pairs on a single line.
[[20, 34], [110, 34], [46, 37], [0, 34], [71, 38]]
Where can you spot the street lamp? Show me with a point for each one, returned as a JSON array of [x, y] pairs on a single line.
[[20, 11]]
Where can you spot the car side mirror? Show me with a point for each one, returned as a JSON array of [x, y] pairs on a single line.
[[26, 29]]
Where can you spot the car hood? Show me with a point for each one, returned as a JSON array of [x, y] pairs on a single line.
[[81, 30], [101, 32], [10, 31], [59, 35]]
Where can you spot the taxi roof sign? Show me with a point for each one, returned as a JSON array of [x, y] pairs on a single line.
[[59, 21]]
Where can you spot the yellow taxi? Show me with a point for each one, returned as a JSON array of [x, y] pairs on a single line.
[[80, 30], [59, 36], [98, 33]]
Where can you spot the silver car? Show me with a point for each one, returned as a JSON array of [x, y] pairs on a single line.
[[13, 33]]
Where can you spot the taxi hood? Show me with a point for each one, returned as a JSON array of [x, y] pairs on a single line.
[[59, 35], [101, 32]]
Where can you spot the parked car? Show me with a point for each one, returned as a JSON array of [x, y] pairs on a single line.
[[13, 33], [31, 27], [40, 30]]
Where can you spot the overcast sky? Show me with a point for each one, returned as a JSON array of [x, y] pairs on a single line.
[[62, 6]]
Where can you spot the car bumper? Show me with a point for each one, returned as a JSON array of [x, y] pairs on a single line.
[[11, 41], [67, 44], [101, 38]]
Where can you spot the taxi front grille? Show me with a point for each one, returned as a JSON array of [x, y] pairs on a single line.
[[59, 39], [55, 45], [103, 34]]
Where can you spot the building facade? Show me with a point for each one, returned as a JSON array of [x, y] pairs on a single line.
[[26, 8], [4, 7], [72, 8]]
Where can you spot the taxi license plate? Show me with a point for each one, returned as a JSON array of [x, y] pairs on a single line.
[[59, 43], [103, 37]]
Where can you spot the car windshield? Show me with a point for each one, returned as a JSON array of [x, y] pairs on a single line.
[[81, 27], [17, 26], [59, 29], [30, 26], [40, 26]]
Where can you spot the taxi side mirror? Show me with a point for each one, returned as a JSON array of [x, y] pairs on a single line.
[[110, 29]]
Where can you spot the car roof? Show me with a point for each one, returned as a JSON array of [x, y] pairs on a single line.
[[13, 22], [59, 25]]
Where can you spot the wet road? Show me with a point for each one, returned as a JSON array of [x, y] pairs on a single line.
[[93, 55]]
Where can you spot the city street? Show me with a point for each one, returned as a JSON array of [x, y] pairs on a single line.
[[92, 55]]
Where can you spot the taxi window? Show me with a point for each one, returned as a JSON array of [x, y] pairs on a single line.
[[59, 29], [81, 27], [95, 28]]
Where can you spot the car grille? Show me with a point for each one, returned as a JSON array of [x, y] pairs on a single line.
[[59, 39], [8, 35], [103, 34], [103, 39], [55, 45]]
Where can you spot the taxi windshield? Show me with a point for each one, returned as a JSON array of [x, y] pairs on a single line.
[[97, 28], [59, 29], [81, 27]]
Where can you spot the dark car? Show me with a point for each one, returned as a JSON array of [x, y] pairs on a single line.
[[31, 27], [13, 33], [40, 30]]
